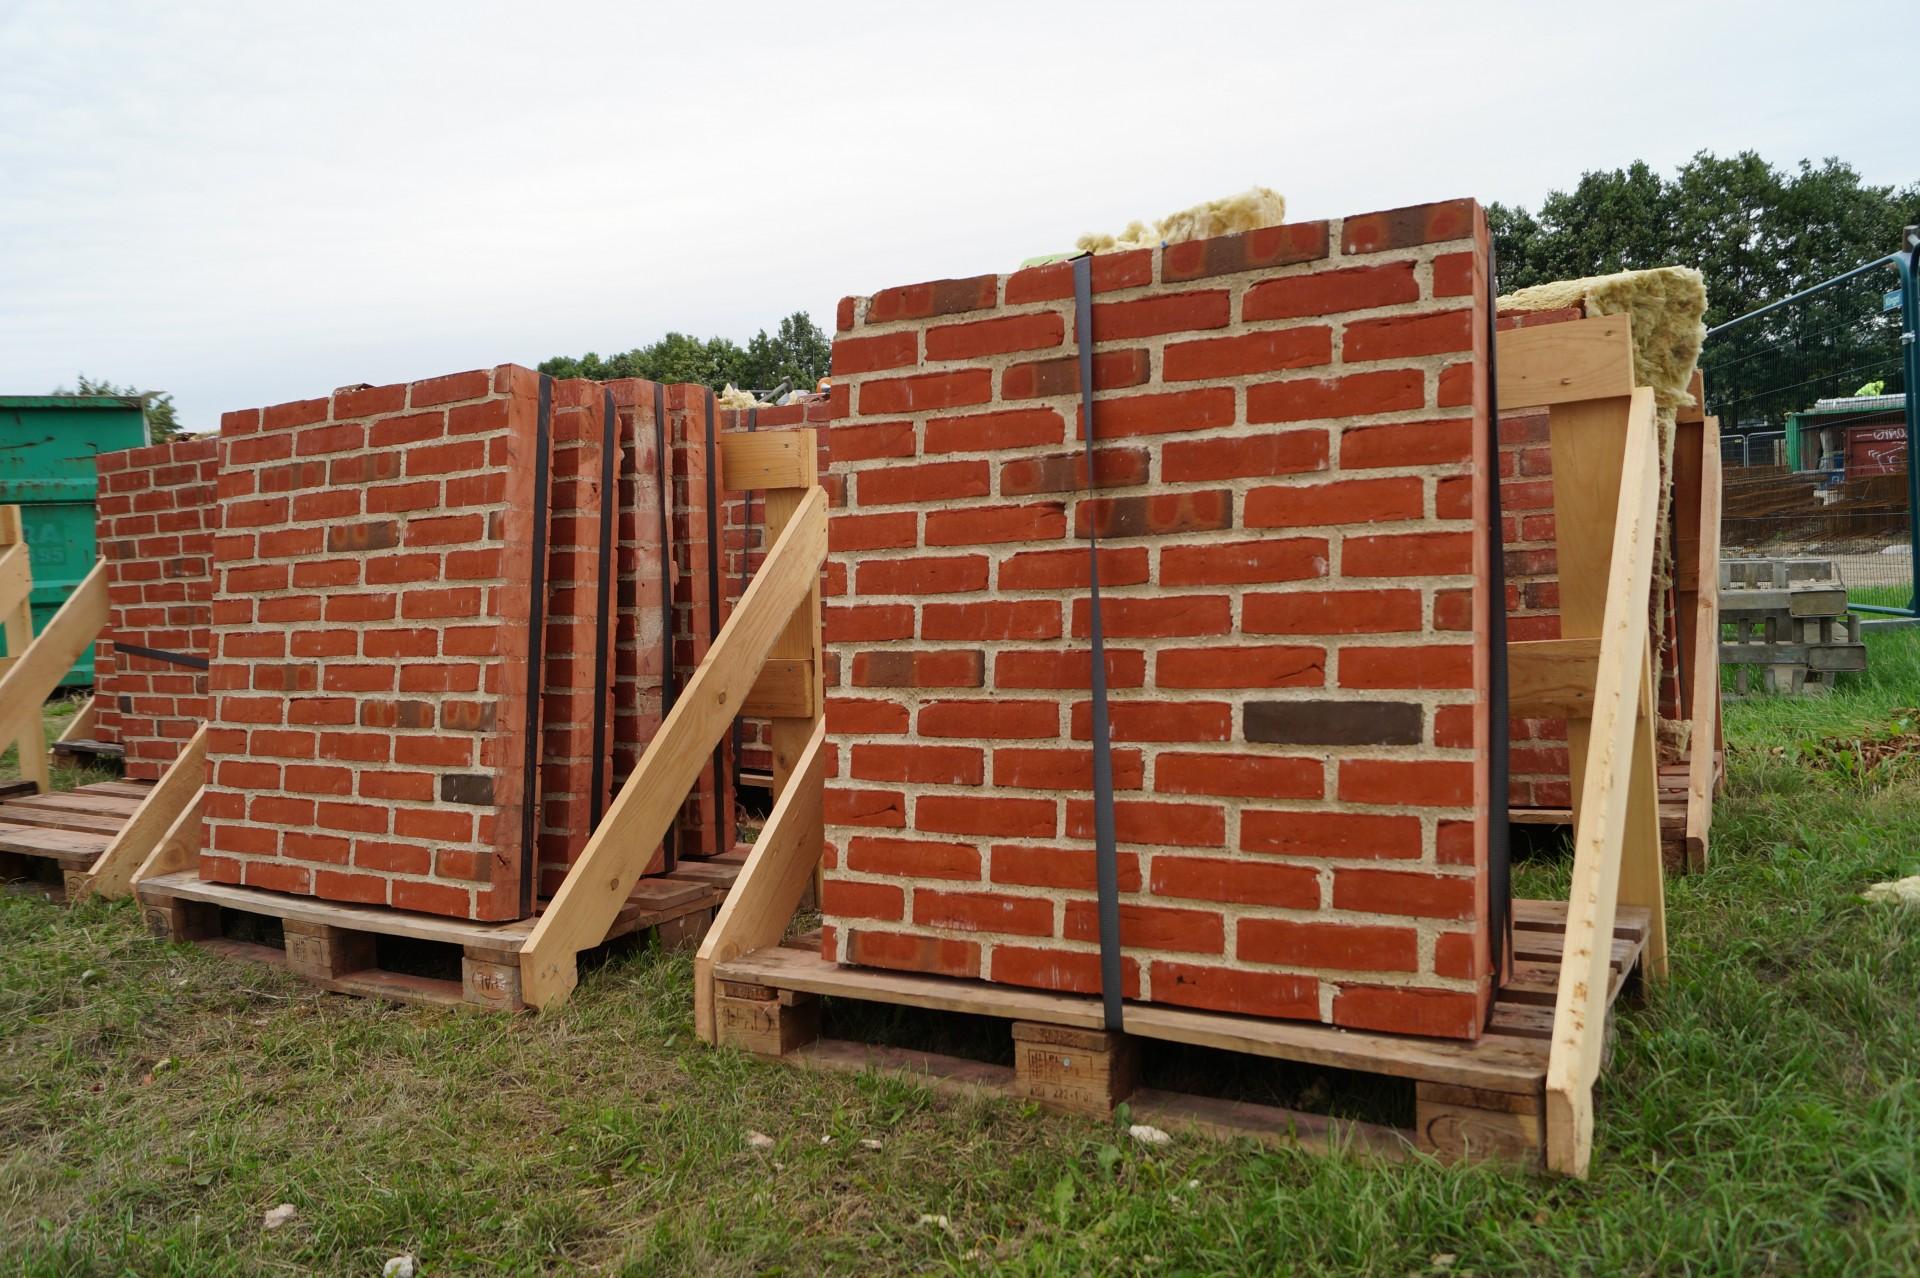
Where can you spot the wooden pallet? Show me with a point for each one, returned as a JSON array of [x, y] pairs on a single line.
[[392, 954], [1471, 1100], [52, 840], [1677, 840]]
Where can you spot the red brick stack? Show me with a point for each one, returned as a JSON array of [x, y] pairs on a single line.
[[701, 601], [577, 713], [1293, 470], [377, 645], [156, 518]]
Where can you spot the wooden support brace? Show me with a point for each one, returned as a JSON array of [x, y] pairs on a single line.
[[126, 860], [581, 912], [84, 721], [1596, 466], [42, 662]]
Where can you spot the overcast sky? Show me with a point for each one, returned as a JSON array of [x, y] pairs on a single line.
[[254, 202]]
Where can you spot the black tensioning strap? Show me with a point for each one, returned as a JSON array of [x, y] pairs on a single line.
[[536, 651], [161, 654], [671, 845], [1499, 840], [604, 623], [1105, 856]]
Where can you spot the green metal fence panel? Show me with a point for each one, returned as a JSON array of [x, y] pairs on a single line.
[[47, 448]]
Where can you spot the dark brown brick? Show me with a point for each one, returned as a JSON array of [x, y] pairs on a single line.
[[1333, 722]]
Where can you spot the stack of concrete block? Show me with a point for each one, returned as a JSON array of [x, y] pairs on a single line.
[[1786, 620], [1290, 491]]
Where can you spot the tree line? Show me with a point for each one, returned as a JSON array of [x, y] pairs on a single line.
[[1759, 233], [797, 355]]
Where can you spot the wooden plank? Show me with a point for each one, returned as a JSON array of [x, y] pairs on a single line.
[[785, 687], [771, 883], [16, 586], [1604, 785], [1551, 678], [767, 459], [15, 813], [31, 679], [178, 847], [1587, 359], [188, 886], [1705, 691], [1497, 1064], [156, 816], [74, 850], [590, 897], [115, 806]]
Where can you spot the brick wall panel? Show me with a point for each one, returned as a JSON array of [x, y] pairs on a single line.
[[156, 524], [1294, 449], [376, 749]]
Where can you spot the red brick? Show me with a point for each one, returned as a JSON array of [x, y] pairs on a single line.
[[1407, 227], [1331, 834], [1263, 352], [999, 336], [882, 808], [855, 355], [1038, 379], [1067, 868], [1325, 612], [1248, 775], [1351, 501], [998, 719], [1023, 768], [1072, 668], [1329, 946], [1354, 395], [1423, 782], [1070, 569], [1409, 444], [1222, 666], [926, 392], [1416, 666], [1289, 452], [1163, 414], [1407, 336], [1067, 971], [1355, 288], [984, 432], [1151, 927], [932, 481], [913, 858], [991, 619], [921, 764], [1223, 989], [1157, 617], [1155, 515], [1452, 1013], [904, 951], [936, 297], [1107, 271], [1432, 554], [1153, 821], [983, 912], [863, 900], [1199, 878], [926, 575], [1236, 562], [985, 525]]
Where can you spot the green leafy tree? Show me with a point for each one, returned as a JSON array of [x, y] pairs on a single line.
[[162, 422], [797, 353], [1759, 234]]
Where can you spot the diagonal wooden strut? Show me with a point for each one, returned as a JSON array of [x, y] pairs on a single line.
[[1615, 804], [38, 666], [581, 912], [125, 860]]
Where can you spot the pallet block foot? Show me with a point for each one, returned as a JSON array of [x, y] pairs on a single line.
[[320, 951], [685, 932], [175, 919], [763, 1020], [491, 979], [1458, 1124], [1082, 1071]]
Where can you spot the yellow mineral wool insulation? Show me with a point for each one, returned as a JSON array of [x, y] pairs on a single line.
[[1665, 304], [734, 397], [1248, 211]]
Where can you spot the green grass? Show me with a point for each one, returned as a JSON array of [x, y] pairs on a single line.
[[1761, 1113]]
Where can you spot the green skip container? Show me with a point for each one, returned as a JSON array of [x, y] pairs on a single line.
[[47, 447]]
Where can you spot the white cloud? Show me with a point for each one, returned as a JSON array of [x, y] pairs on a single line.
[[248, 203]]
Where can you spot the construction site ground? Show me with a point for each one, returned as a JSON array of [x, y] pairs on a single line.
[[1760, 1114]]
